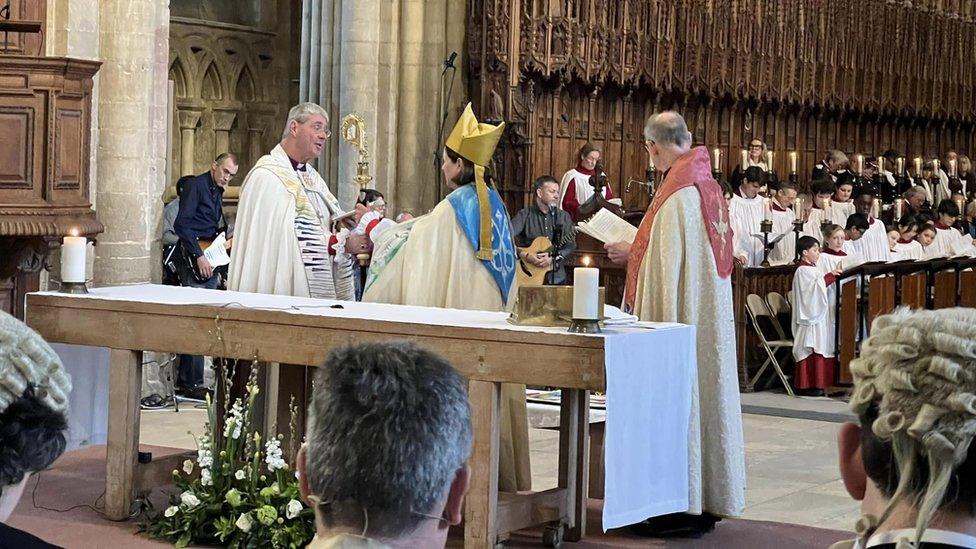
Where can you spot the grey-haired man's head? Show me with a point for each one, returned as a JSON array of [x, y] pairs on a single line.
[[389, 436]]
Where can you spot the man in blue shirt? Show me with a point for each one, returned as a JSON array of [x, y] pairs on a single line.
[[201, 214], [201, 218]]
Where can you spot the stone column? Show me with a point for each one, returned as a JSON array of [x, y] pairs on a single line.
[[320, 38], [134, 49], [222, 122], [188, 125], [254, 146]]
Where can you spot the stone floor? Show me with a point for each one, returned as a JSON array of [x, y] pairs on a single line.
[[792, 474]]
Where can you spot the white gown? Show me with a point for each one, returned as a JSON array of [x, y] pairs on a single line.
[[950, 243], [783, 253], [745, 215], [908, 250], [814, 312], [678, 282], [873, 244]]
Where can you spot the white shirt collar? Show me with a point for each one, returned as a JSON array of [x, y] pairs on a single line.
[[931, 535]]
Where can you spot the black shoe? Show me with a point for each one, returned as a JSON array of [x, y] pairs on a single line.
[[198, 394], [675, 525], [153, 402]]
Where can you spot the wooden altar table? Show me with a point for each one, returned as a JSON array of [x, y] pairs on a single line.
[[277, 330]]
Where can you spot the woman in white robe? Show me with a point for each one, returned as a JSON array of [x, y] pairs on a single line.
[[575, 188]]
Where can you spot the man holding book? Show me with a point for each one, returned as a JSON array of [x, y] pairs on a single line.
[[679, 269]]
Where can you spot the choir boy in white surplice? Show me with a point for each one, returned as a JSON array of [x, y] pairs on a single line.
[[783, 215], [822, 190], [949, 241], [814, 320], [906, 247], [746, 211], [873, 244], [841, 205]]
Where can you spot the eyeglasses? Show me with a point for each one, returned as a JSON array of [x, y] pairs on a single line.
[[755, 146]]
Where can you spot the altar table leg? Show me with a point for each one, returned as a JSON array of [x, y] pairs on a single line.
[[574, 453], [481, 504], [123, 431]]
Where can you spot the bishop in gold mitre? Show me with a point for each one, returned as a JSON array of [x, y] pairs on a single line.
[[461, 256]]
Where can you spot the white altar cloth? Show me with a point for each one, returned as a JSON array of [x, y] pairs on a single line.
[[649, 368]]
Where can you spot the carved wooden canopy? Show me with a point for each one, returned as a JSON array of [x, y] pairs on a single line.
[[861, 76]]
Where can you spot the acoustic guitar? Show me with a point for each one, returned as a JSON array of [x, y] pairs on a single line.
[[531, 275]]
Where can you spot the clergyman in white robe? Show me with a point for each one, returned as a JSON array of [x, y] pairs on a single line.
[[677, 279], [283, 232]]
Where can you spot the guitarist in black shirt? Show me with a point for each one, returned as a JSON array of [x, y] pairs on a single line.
[[544, 234]]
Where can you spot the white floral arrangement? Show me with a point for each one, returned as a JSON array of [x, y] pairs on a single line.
[[238, 493]]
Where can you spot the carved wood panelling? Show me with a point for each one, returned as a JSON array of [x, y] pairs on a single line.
[[16, 155], [802, 75]]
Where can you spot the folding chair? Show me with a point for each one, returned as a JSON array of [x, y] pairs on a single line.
[[770, 338], [783, 313]]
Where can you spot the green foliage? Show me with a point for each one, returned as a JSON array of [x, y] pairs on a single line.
[[238, 493]]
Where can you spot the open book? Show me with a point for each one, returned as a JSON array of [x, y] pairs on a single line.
[[773, 237], [607, 227]]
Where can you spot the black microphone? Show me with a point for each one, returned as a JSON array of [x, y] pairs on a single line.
[[449, 62]]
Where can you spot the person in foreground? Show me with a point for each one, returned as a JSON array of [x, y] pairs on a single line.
[[389, 437], [909, 461], [34, 391], [679, 269]]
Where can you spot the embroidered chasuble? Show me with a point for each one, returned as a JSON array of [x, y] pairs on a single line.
[[431, 261], [679, 270], [282, 233]]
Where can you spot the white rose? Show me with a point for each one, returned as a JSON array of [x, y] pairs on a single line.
[[171, 510], [189, 500], [187, 466], [239, 475], [294, 507], [205, 478], [244, 522]]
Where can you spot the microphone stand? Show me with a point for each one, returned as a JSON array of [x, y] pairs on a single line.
[[556, 238], [448, 65]]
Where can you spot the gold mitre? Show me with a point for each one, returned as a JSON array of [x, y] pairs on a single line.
[[474, 140]]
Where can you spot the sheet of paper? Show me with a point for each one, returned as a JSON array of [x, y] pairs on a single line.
[[216, 254], [608, 228]]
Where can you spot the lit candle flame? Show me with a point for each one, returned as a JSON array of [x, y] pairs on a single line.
[[586, 261], [73, 232]]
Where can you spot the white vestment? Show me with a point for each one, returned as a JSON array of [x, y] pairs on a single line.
[[678, 282], [814, 222], [942, 191], [429, 261], [873, 244], [745, 215], [814, 312], [280, 244], [581, 183], [950, 243], [908, 250], [838, 212], [783, 253]]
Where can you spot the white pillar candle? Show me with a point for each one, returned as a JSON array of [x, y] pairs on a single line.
[[793, 160], [769, 161], [952, 167], [876, 208], [918, 166], [767, 209], [586, 292], [900, 166], [73, 260], [745, 159], [897, 209], [717, 159]]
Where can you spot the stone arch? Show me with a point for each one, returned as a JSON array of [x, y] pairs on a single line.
[[245, 88], [210, 87], [177, 73]]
